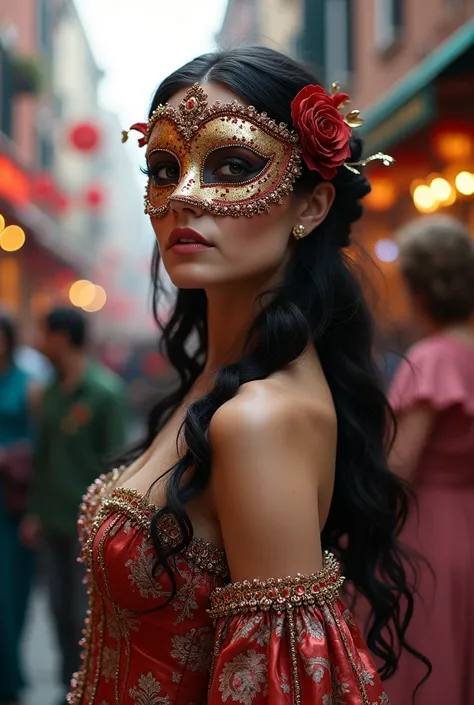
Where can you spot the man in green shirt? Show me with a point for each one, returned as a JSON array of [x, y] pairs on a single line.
[[81, 424]]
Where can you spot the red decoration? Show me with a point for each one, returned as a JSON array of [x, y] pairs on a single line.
[[94, 197], [43, 187], [139, 127], [48, 194], [85, 136], [323, 134]]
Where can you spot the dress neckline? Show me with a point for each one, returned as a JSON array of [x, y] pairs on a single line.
[[131, 502]]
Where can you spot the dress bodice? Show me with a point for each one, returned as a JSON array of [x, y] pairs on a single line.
[[187, 636], [134, 630]]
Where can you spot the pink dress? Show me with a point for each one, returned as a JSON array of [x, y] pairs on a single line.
[[440, 372]]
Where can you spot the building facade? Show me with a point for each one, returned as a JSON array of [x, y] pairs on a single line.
[[65, 178], [413, 65], [273, 23], [408, 66], [35, 257]]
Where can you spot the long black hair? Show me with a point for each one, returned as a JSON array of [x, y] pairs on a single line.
[[320, 301]]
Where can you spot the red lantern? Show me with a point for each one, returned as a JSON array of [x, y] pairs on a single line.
[[85, 136], [94, 197]]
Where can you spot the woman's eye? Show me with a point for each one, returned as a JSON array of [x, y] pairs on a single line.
[[232, 165], [164, 174], [235, 168]]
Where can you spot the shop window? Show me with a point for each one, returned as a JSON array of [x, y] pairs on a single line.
[[337, 41], [388, 23]]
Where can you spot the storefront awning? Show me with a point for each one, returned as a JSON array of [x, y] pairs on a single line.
[[15, 197], [410, 103]]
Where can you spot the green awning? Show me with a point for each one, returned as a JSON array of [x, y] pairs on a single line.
[[411, 97]]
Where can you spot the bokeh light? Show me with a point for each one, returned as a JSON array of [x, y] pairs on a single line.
[[98, 301], [424, 199], [12, 238], [442, 189], [386, 250], [383, 194], [2, 222], [465, 183], [82, 293]]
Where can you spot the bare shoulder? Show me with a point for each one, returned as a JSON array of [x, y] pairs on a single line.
[[273, 457], [271, 409]]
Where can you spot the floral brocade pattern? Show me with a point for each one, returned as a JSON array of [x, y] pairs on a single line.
[[285, 642]]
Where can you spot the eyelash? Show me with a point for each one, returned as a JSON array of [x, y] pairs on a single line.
[[153, 171], [246, 166], [235, 161]]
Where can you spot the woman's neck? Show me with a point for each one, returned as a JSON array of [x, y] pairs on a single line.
[[230, 314]]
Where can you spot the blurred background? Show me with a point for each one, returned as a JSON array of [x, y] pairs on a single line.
[[75, 73]]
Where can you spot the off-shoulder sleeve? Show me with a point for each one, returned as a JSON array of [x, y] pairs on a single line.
[[431, 374], [290, 642]]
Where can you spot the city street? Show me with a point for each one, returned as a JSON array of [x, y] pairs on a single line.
[[40, 655]]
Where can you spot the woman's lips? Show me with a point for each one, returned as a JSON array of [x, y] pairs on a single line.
[[187, 241], [189, 248]]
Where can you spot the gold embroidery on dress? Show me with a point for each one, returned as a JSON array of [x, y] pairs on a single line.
[[147, 692], [109, 663], [293, 657], [347, 617], [102, 500], [185, 599], [310, 624], [350, 656], [141, 572], [135, 507], [244, 677], [194, 649], [277, 594], [338, 687], [314, 667], [219, 638]]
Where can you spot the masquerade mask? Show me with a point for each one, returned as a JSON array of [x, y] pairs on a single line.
[[226, 159], [230, 160]]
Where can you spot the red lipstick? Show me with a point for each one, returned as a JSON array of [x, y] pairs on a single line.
[[187, 241]]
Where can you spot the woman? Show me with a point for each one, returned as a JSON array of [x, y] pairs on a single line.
[[271, 448], [15, 466], [433, 397]]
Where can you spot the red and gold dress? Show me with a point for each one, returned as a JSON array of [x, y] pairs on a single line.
[[288, 642]]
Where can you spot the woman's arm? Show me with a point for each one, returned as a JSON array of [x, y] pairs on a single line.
[[282, 634], [269, 458], [414, 427]]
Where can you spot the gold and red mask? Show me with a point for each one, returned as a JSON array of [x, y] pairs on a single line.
[[227, 159], [230, 160]]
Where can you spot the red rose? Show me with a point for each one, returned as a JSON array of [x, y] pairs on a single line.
[[324, 136]]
